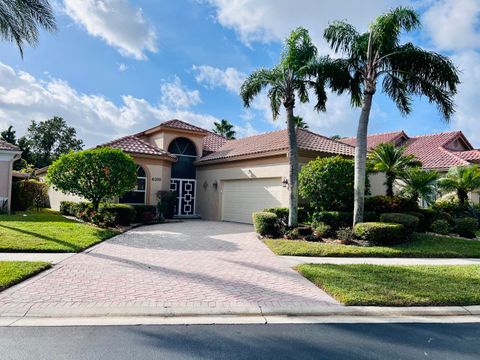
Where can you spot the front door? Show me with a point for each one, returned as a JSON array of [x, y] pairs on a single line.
[[185, 201]]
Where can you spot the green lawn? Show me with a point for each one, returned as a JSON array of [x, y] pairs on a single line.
[[421, 245], [12, 272], [397, 285], [47, 231]]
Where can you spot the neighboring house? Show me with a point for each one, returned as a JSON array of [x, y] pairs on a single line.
[[437, 152], [214, 178], [8, 154]]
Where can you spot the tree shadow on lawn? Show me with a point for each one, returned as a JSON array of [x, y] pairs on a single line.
[[36, 217], [68, 245]]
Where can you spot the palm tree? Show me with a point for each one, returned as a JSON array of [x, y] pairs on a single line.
[[289, 79], [9, 135], [20, 21], [419, 184], [224, 128], [391, 160], [300, 123], [403, 70], [462, 180]]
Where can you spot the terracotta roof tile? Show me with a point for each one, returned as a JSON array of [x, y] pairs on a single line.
[[469, 155], [182, 125], [376, 139], [212, 142], [277, 141], [133, 144], [8, 147]]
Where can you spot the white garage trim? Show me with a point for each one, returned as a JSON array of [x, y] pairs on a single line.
[[240, 198]]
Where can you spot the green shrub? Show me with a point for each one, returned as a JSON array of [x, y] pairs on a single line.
[[28, 194], [327, 183], [442, 215], [321, 230], [336, 219], [123, 214], [144, 214], [426, 219], [266, 223], [104, 218], [282, 215], [451, 206], [409, 221], [466, 227], [440, 227], [378, 233], [385, 204], [292, 234], [345, 234], [66, 208], [166, 203]]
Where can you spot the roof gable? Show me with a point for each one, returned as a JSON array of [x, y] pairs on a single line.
[[132, 144], [6, 146]]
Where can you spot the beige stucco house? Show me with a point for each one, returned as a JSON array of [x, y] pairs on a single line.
[[214, 178], [8, 154]]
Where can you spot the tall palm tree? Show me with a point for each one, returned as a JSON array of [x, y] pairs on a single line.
[[300, 123], [20, 21], [462, 180], [298, 70], [402, 70], [419, 184], [225, 129], [391, 160]]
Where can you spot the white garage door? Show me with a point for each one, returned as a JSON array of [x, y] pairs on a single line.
[[241, 198]]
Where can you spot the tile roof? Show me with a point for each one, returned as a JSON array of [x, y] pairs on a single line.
[[432, 149], [212, 142], [7, 146], [182, 125], [376, 139], [133, 144], [277, 141]]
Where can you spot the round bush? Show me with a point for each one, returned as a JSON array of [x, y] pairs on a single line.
[[440, 227], [386, 204], [409, 221], [379, 233], [441, 215], [327, 183], [144, 214], [335, 219], [123, 214], [265, 223], [466, 227]]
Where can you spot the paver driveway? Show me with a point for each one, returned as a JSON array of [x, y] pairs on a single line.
[[191, 267]]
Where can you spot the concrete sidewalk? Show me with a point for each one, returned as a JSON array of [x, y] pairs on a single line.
[[297, 260], [53, 258]]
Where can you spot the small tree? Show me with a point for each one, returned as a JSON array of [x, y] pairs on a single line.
[[391, 160], [96, 174], [225, 129], [419, 184], [328, 183], [462, 180]]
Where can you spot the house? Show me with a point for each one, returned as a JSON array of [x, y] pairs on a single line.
[[437, 152], [8, 154], [214, 178]]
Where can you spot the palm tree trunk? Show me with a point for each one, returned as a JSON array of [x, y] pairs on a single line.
[[361, 159], [293, 162], [389, 182]]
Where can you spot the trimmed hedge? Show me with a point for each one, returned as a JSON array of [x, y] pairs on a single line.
[[282, 214], [66, 207], [335, 219], [426, 217], [409, 221], [144, 213], [466, 227], [441, 227], [123, 213], [378, 233], [387, 204], [28, 194], [265, 223]]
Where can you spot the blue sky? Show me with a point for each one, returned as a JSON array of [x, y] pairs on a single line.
[[119, 66]]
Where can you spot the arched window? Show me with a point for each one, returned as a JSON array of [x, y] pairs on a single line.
[[139, 194], [186, 154]]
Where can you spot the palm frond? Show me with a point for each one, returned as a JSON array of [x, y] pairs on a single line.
[[341, 36], [256, 82]]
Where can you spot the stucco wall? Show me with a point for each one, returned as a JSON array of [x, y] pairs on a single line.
[[5, 175], [164, 138]]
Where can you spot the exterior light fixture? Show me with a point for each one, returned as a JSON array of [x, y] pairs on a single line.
[[215, 184], [285, 182]]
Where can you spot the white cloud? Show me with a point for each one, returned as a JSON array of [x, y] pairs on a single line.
[[96, 118], [117, 23], [122, 67], [213, 77], [266, 20], [176, 95], [454, 24]]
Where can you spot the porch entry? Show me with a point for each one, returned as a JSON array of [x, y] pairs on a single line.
[[184, 173]]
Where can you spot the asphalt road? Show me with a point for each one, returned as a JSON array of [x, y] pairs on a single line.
[[322, 341]]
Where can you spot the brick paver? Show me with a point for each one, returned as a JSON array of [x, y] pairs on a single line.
[[188, 267]]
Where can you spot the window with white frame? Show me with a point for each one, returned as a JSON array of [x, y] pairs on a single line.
[[138, 195]]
